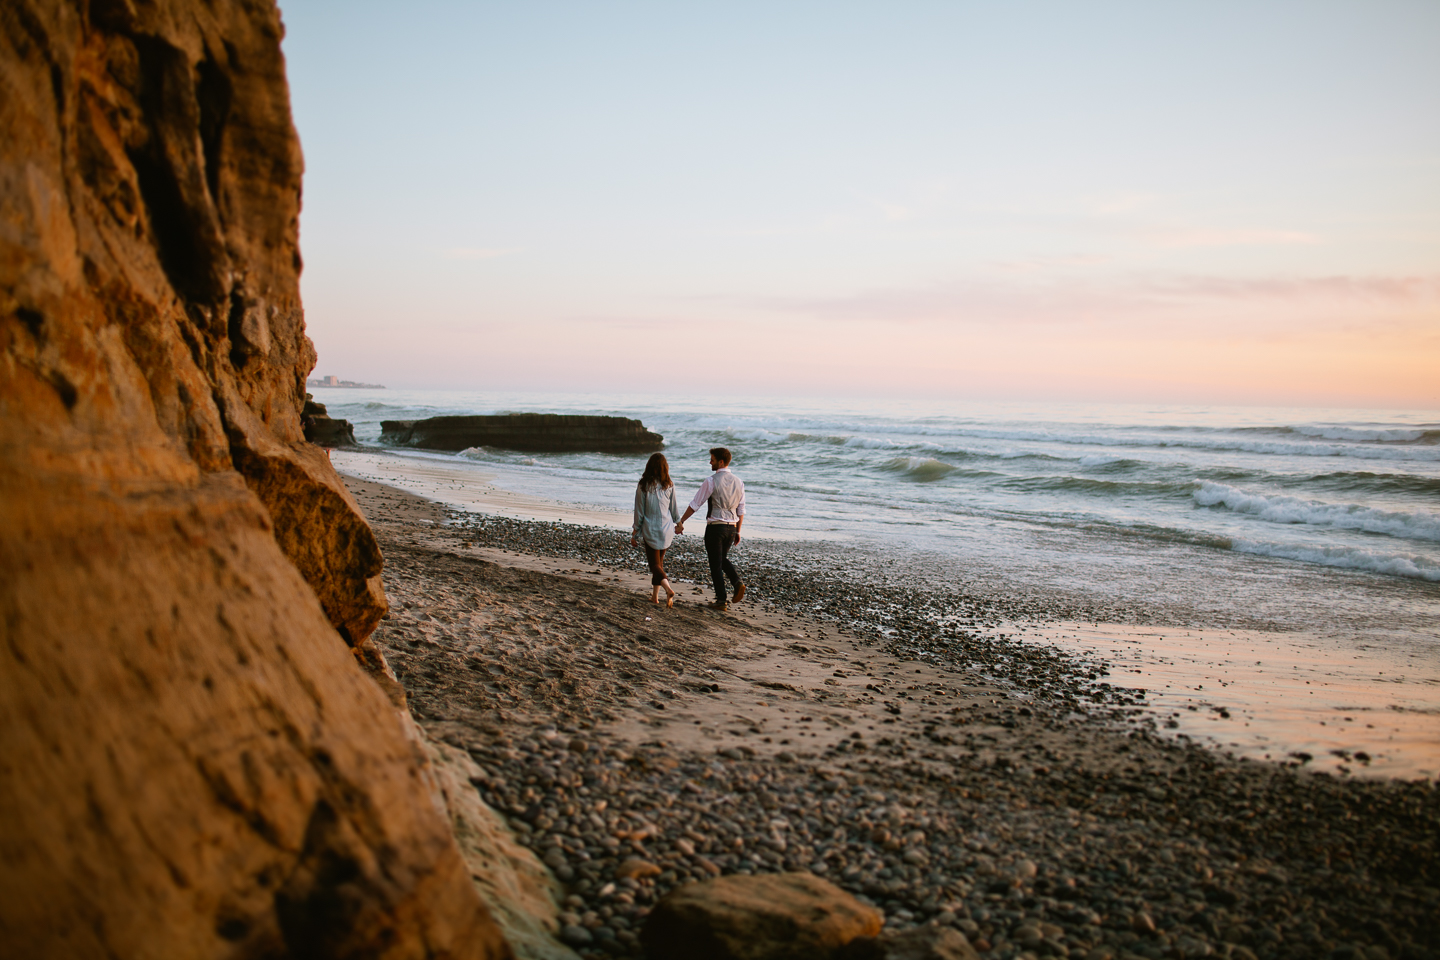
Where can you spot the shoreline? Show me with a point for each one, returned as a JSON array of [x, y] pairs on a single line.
[[1283, 696], [473, 489], [610, 731]]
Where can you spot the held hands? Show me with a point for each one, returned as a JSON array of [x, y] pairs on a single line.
[[680, 527]]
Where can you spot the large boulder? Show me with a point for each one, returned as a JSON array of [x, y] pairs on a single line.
[[526, 432], [787, 916], [324, 430], [916, 943], [192, 763]]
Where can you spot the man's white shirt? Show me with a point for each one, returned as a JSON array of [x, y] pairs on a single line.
[[726, 495]]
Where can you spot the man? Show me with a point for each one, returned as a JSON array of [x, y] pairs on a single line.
[[724, 496]]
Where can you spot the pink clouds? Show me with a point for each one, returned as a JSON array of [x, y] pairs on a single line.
[[1149, 298]]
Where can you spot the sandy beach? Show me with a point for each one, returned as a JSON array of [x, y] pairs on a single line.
[[1019, 792]]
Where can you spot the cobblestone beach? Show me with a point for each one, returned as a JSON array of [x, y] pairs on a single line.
[[906, 744]]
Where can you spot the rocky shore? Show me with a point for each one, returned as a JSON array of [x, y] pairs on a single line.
[[940, 769]]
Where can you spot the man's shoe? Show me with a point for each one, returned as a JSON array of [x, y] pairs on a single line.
[[740, 593], [719, 605]]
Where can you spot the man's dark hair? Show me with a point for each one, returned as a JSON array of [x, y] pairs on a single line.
[[721, 453]]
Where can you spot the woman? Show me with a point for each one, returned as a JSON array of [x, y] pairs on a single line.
[[656, 512]]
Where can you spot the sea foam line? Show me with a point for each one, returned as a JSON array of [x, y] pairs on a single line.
[[1417, 525], [952, 440], [1353, 558]]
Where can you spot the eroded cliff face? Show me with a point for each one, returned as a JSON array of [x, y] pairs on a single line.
[[191, 761]]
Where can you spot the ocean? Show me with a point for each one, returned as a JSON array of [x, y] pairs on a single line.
[[1214, 507], [1323, 523]]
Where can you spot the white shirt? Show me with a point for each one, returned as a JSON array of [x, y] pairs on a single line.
[[726, 494], [656, 513]]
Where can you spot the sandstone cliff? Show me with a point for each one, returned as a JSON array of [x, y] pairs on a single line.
[[193, 763], [528, 432]]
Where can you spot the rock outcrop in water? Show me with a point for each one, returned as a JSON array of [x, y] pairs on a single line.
[[324, 430], [526, 432], [194, 765]]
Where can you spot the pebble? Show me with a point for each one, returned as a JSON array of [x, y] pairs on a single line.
[[637, 869], [575, 935]]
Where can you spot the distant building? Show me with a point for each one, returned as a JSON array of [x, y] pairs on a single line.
[[333, 381]]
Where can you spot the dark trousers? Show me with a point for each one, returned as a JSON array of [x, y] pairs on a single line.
[[656, 560], [719, 538]]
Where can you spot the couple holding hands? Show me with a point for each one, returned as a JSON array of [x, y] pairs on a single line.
[[657, 519]]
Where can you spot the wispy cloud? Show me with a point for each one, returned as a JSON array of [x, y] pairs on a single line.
[[1042, 264], [1045, 296], [1232, 238], [1394, 290]]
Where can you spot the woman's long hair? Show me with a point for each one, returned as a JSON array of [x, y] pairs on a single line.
[[657, 473]]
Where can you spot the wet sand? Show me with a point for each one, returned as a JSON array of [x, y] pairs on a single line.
[[1280, 696], [987, 782], [464, 488]]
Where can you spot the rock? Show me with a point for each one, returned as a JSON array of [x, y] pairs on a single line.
[[917, 943], [636, 869], [576, 935], [1189, 948], [527, 432], [323, 430], [766, 917], [195, 764], [318, 526]]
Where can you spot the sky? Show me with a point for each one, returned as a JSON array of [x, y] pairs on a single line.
[[1190, 202]]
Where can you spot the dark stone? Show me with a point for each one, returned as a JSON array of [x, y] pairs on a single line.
[[790, 916], [916, 943], [322, 429], [525, 432], [1221, 896]]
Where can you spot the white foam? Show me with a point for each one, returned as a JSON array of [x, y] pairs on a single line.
[[1214, 442], [1371, 434], [1417, 525], [1353, 558], [876, 443], [485, 455], [755, 433]]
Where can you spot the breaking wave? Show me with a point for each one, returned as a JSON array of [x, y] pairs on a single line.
[[1353, 558], [920, 469], [1414, 525]]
